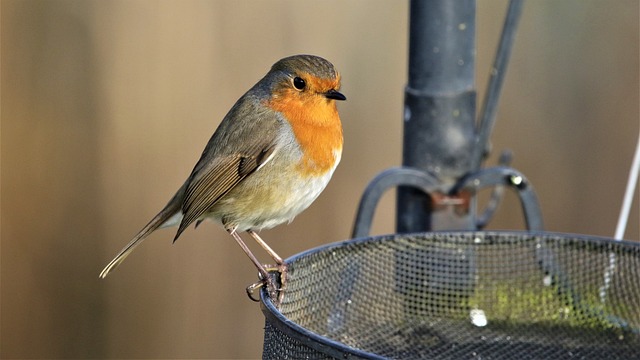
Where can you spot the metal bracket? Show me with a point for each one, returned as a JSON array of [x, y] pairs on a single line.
[[428, 184]]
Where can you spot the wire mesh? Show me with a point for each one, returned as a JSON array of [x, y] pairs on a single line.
[[482, 295]]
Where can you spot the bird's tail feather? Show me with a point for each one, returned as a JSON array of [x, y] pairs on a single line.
[[165, 217]]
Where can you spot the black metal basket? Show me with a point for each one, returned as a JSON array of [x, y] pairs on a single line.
[[462, 295]]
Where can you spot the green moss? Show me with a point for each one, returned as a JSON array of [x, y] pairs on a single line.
[[527, 304]]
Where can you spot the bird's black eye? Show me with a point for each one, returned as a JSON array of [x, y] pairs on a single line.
[[299, 83]]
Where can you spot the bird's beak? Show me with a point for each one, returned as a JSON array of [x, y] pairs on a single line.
[[335, 95]]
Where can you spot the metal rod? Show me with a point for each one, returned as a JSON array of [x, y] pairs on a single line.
[[384, 181], [496, 80], [622, 220], [628, 194], [440, 101], [505, 176]]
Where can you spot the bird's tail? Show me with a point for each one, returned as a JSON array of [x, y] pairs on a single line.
[[170, 215]]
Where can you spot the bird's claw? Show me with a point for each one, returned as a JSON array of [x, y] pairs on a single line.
[[251, 289], [276, 294]]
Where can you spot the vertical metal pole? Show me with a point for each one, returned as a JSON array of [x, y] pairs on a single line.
[[439, 118]]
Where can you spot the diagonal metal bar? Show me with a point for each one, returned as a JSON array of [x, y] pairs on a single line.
[[496, 80]]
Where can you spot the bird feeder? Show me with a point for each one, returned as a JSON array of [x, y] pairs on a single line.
[[441, 288]]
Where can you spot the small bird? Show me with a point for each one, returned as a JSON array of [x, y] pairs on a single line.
[[268, 160]]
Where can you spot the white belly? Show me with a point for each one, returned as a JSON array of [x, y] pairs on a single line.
[[270, 204]]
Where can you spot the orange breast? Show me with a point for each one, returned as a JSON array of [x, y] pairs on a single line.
[[316, 126]]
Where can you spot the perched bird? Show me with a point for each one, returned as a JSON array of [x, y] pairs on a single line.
[[268, 160]]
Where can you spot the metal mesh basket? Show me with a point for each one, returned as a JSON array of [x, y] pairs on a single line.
[[489, 295]]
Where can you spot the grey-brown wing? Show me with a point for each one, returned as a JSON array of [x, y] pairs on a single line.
[[235, 151], [217, 178]]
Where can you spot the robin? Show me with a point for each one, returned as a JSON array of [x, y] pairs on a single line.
[[268, 160]]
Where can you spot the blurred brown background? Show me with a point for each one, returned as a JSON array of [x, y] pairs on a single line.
[[106, 106]]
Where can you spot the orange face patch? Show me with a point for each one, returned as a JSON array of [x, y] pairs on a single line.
[[315, 123]]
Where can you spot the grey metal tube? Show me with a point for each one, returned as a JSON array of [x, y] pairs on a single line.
[[440, 104]]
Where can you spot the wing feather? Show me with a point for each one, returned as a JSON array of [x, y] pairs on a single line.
[[222, 166], [212, 182]]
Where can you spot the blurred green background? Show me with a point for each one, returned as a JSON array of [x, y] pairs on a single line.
[[106, 106]]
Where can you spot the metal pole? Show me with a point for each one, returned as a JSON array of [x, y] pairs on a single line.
[[440, 104]]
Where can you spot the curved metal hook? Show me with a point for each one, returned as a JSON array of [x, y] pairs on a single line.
[[393, 177], [514, 179], [496, 195]]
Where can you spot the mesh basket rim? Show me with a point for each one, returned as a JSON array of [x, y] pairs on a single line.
[[339, 350], [469, 233]]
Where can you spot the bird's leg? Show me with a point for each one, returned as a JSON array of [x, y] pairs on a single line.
[[266, 247], [280, 265], [264, 274]]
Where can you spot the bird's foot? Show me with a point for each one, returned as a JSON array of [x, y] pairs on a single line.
[[275, 293]]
